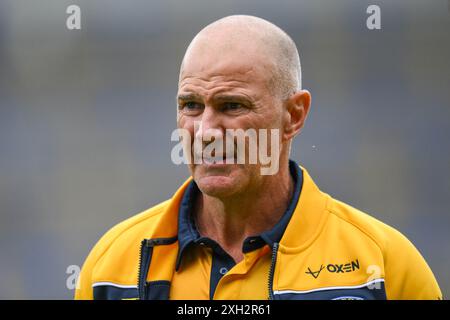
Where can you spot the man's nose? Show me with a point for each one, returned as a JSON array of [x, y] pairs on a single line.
[[209, 126]]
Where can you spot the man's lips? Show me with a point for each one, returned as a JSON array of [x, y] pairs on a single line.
[[217, 159]]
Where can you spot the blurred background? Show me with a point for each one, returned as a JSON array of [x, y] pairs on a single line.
[[86, 117]]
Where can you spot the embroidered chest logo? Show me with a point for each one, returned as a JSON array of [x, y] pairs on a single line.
[[315, 274], [335, 268]]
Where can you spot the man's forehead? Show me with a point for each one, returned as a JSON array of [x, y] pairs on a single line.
[[220, 70], [220, 66]]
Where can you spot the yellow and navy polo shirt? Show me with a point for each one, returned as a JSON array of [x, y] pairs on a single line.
[[221, 262], [321, 248]]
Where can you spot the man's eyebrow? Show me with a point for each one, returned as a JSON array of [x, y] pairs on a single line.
[[188, 96], [217, 98], [230, 97]]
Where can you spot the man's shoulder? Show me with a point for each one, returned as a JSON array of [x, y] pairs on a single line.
[[406, 273], [365, 225], [131, 230], [115, 256], [351, 226]]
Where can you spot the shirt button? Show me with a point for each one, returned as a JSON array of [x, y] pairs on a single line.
[[223, 270]]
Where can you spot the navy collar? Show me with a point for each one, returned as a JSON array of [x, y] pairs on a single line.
[[189, 235]]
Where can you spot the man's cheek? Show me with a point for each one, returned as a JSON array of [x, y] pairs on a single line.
[[187, 148]]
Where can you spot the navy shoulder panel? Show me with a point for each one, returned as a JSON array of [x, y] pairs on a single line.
[[373, 291]]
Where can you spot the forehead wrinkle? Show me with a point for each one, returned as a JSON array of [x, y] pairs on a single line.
[[217, 94], [206, 84], [209, 84], [225, 82], [252, 73], [213, 75]]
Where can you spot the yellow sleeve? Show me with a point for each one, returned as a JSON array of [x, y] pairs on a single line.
[[407, 275], [84, 290]]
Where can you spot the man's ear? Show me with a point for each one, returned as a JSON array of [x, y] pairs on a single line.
[[297, 108]]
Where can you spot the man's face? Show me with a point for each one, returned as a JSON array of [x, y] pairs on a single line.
[[225, 90]]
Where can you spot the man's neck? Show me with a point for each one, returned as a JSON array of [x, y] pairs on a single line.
[[230, 221]]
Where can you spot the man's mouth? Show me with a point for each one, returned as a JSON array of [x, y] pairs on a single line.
[[217, 159]]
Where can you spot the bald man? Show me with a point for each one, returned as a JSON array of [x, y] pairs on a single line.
[[232, 232]]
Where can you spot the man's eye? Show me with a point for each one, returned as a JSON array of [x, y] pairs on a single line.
[[190, 106], [232, 106]]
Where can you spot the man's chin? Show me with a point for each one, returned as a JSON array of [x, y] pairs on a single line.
[[218, 186]]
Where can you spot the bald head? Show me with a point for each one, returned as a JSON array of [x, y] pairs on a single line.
[[240, 38]]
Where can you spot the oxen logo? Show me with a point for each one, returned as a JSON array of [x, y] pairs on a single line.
[[335, 268], [315, 274]]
